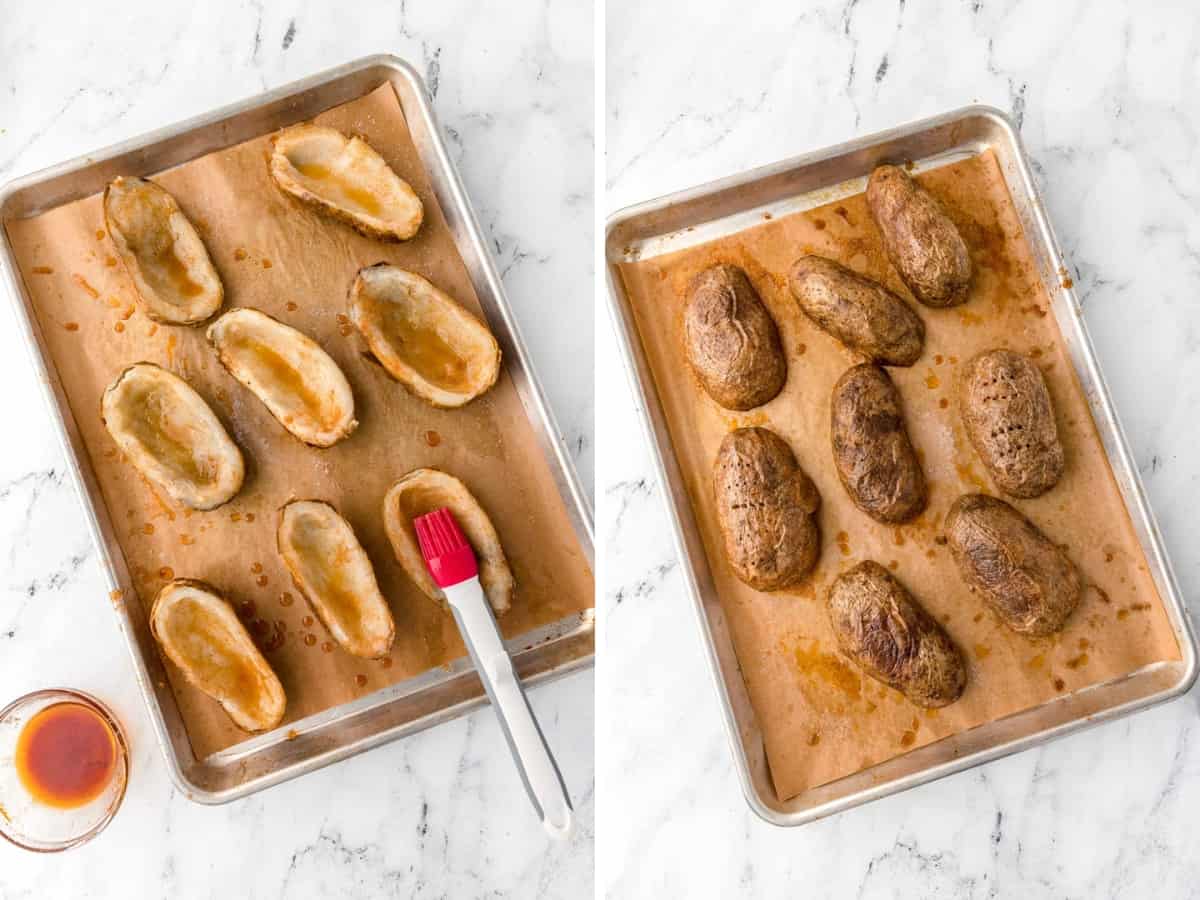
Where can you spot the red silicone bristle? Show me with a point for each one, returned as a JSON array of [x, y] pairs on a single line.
[[438, 534], [448, 556]]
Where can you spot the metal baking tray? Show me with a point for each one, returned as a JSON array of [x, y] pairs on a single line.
[[732, 204], [409, 706]]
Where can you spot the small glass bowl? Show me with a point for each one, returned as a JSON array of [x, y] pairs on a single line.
[[36, 826]]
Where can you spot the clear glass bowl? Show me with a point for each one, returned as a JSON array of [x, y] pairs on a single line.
[[36, 826]]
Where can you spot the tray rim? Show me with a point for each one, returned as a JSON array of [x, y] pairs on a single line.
[[626, 336], [578, 505]]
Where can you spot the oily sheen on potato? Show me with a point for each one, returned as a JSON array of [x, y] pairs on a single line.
[[766, 507], [330, 568], [422, 337], [889, 635], [344, 177], [732, 342], [861, 313], [424, 490], [172, 436], [202, 635], [920, 239], [288, 371], [1009, 418], [872, 453], [1025, 578], [171, 271]]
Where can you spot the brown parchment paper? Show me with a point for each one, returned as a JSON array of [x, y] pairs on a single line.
[[275, 255], [821, 718]]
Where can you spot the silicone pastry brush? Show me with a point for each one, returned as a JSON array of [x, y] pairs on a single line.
[[451, 562]]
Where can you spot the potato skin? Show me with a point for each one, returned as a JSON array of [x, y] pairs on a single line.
[[872, 452], [766, 507], [859, 312], [731, 340], [1009, 417], [892, 638], [920, 240], [1027, 580]]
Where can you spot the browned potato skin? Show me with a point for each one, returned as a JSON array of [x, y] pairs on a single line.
[[1025, 578], [920, 240], [892, 638], [1008, 415], [732, 342], [872, 453], [766, 507], [859, 312]]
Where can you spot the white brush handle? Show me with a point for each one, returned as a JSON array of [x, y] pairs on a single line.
[[482, 636]]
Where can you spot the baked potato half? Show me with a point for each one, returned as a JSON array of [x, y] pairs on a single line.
[[345, 178], [172, 436], [766, 507], [891, 637], [872, 453], [424, 490], [1009, 418], [860, 313], [1025, 578], [422, 337], [332, 571], [732, 342], [172, 274], [921, 241], [297, 381], [202, 635]]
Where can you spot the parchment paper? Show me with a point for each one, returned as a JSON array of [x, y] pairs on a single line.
[[275, 255], [821, 717]]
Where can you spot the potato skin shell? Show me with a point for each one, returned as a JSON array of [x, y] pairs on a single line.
[[766, 507], [731, 340], [892, 638], [872, 453], [861, 313], [1009, 417], [920, 240], [1027, 580]]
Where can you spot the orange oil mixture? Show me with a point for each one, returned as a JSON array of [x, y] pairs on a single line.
[[66, 755]]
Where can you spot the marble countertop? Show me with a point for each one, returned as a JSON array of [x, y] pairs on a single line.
[[442, 813], [1104, 94]]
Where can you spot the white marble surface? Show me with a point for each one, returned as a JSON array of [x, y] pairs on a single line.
[[442, 814], [1105, 94]]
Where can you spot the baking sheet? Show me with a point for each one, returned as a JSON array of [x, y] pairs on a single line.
[[822, 719], [275, 255]]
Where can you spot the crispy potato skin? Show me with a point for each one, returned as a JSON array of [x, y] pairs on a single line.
[[872, 452], [205, 425], [920, 240], [139, 215], [279, 167], [376, 287], [1009, 417], [263, 691], [766, 507], [859, 312], [731, 340], [1025, 578], [892, 638]]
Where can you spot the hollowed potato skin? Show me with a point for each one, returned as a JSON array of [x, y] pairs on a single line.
[[920, 239], [1009, 418], [1025, 578], [860, 313], [892, 638], [766, 507], [872, 453], [731, 340]]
